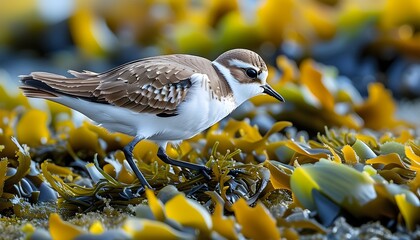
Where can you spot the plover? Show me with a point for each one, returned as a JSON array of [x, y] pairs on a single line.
[[163, 98]]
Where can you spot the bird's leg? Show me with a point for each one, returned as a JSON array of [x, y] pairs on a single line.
[[203, 169], [128, 152]]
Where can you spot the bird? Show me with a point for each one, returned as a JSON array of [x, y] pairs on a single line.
[[165, 98]]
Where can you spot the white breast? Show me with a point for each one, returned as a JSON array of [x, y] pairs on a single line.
[[200, 110]]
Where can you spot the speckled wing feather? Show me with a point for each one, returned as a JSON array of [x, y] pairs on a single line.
[[153, 85]]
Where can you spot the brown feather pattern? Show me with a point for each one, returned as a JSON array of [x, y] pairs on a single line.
[[153, 85]]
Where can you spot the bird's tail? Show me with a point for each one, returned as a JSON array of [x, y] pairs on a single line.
[[34, 88], [48, 85]]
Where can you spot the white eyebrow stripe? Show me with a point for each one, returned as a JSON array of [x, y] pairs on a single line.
[[241, 64]]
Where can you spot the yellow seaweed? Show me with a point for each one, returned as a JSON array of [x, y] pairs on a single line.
[[86, 33], [7, 130], [3, 170], [350, 156], [28, 229], [61, 230], [312, 79], [96, 228], [378, 110], [224, 225], [126, 175], [289, 70], [336, 158], [156, 206], [342, 184], [362, 150], [55, 182], [264, 228], [197, 216], [280, 177], [148, 229], [270, 24], [306, 151], [409, 210], [83, 139], [23, 168], [391, 158], [415, 159], [32, 128]]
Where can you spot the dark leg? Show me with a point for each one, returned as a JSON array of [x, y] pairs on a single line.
[[203, 169], [128, 152]]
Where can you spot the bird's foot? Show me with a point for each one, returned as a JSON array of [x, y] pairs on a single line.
[[205, 171]]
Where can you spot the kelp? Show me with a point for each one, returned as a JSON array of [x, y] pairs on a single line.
[[164, 217], [295, 182], [336, 184], [357, 191], [232, 181], [22, 183], [316, 98]]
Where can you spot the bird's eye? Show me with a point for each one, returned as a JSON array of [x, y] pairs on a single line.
[[252, 73]]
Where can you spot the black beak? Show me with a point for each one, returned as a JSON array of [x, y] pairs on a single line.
[[270, 91]]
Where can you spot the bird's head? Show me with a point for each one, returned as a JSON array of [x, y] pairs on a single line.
[[246, 73]]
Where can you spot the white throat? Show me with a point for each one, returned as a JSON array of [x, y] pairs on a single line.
[[241, 91]]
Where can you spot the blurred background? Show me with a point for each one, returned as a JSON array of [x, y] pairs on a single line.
[[377, 40], [364, 41]]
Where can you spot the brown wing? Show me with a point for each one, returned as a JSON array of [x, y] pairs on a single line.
[[153, 85]]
